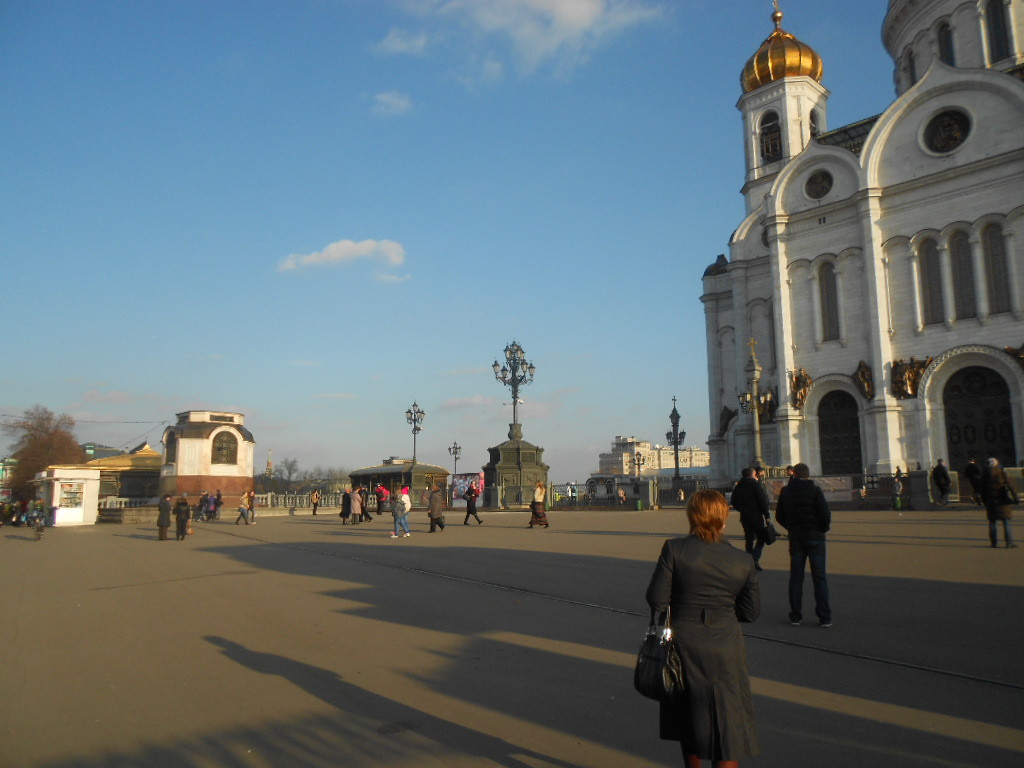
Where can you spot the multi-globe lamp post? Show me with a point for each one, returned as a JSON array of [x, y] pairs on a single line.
[[454, 450], [515, 373], [675, 437], [415, 415]]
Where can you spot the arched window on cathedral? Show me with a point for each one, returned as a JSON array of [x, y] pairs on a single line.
[[963, 276], [829, 302], [171, 449], [945, 41], [815, 125], [998, 35], [998, 276], [930, 272], [771, 138], [225, 449]]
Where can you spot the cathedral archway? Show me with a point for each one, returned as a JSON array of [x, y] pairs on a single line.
[[979, 418], [839, 434]]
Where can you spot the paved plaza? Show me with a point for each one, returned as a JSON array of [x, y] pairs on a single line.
[[302, 643]]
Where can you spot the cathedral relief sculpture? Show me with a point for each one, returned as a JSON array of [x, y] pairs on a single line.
[[1017, 353], [801, 385], [864, 379], [906, 376]]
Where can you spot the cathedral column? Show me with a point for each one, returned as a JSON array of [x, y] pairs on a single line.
[[946, 270], [1013, 271], [980, 283], [881, 422], [788, 420]]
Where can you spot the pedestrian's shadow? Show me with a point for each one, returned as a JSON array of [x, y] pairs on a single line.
[[394, 717]]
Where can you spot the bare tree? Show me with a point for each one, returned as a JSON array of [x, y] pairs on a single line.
[[41, 439]]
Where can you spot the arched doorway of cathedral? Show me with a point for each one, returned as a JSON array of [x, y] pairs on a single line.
[[979, 418], [839, 434]]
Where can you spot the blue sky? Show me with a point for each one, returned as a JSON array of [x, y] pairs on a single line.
[[317, 212]]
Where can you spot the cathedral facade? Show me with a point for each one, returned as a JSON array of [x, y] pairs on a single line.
[[878, 275]]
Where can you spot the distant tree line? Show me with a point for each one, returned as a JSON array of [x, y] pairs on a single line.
[[286, 477]]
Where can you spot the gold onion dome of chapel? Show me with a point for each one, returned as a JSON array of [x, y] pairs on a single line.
[[780, 55]]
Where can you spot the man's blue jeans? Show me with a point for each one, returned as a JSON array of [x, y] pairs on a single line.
[[800, 551]]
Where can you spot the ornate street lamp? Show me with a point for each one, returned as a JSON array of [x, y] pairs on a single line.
[[455, 451], [515, 373], [754, 402], [676, 438], [638, 460], [415, 416]]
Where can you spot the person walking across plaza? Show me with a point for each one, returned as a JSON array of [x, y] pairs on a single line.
[[400, 506], [710, 587], [250, 504], [972, 471], [943, 482], [314, 499], [356, 504], [182, 514], [751, 501], [471, 494], [163, 517], [537, 514], [803, 511], [998, 495], [244, 509], [435, 508]]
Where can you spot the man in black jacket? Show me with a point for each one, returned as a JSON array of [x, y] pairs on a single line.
[[750, 500], [804, 513]]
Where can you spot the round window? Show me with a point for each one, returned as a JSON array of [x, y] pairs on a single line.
[[818, 185], [947, 131]]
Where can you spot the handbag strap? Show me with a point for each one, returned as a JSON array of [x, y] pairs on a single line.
[[656, 622]]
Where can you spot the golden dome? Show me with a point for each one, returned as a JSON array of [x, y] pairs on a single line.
[[780, 55]]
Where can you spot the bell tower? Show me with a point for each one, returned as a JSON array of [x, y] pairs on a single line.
[[783, 107]]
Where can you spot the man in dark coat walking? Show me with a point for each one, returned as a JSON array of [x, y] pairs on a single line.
[[942, 480], [435, 509], [751, 501], [973, 474], [803, 511]]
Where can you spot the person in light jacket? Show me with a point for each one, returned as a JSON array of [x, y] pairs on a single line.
[[538, 516]]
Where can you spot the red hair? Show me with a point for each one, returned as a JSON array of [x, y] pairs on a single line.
[[707, 512]]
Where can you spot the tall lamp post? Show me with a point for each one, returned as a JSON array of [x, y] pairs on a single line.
[[515, 373], [455, 451], [638, 460], [676, 438], [415, 415], [754, 402]]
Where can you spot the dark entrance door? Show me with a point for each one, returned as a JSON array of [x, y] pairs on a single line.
[[839, 434], [978, 418]]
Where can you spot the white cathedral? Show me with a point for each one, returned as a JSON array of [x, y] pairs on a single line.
[[879, 272]]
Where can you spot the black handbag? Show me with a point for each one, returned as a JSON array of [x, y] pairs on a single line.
[[768, 534], [659, 670]]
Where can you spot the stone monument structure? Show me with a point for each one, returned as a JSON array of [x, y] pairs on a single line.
[[207, 451]]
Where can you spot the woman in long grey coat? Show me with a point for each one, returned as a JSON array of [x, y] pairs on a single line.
[[711, 586], [998, 494]]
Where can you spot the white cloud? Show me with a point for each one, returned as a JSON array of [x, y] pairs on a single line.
[[463, 403], [565, 31], [385, 277], [391, 103], [388, 252], [401, 42]]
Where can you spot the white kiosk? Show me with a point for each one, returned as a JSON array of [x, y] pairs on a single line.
[[73, 490]]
